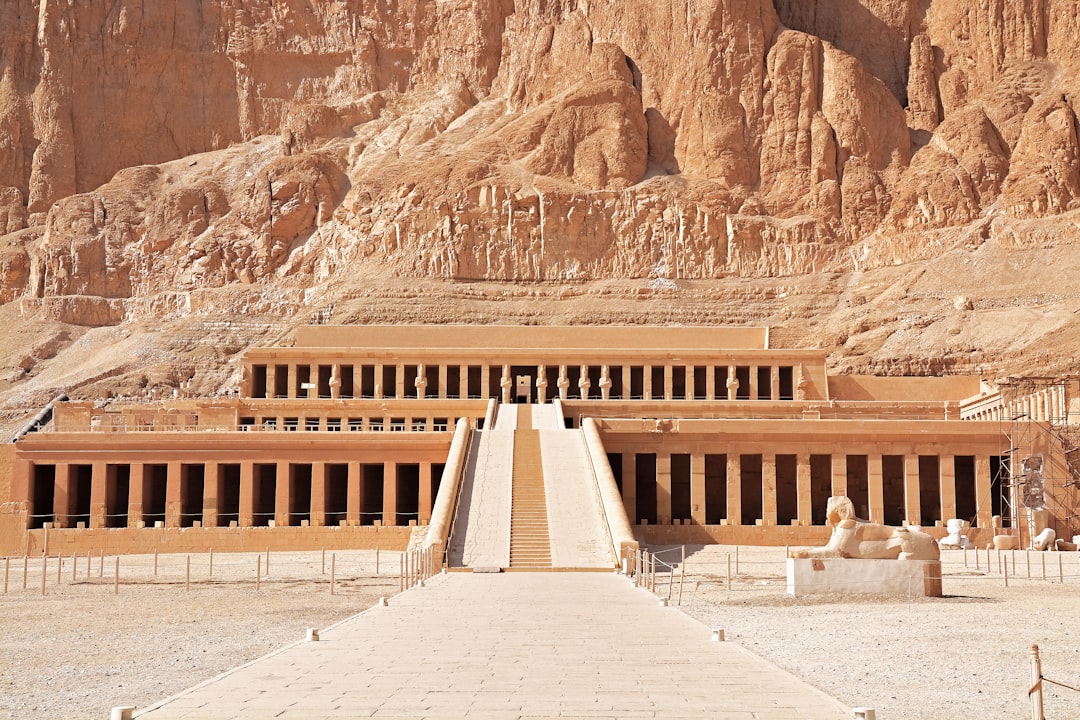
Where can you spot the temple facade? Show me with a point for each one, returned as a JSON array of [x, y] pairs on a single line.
[[353, 436]]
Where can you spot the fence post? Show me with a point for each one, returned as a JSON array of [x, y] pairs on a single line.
[[258, 572], [187, 577], [1028, 554], [1061, 570], [267, 562], [116, 577], [1036, 693], [682, 573], [1006, 570], [333, 571], [729, 572], [155, 562], [26, 568], [44, 571], [736, 559], [87, 564], [101, 563], [211, 562], [7, 570], [376, 560], [74, 566], [323, 572], [59, 567], [1043, 556]]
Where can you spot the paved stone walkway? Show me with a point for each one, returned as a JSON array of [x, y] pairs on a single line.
[[512, 645]]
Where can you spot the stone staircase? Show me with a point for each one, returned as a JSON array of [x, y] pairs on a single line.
[[530, 543]]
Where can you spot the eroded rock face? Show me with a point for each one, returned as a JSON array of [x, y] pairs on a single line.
[[149, 150]]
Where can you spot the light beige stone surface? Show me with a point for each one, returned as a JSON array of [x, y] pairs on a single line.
[[575, 519], [508, 646], [481, 534]]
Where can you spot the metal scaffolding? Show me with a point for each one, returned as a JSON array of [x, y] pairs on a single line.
[[1043, 455]]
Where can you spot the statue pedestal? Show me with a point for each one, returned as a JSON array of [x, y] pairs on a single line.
[[812, 576]]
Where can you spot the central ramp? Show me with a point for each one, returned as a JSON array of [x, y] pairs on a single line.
[[508, 646], [530, 542]]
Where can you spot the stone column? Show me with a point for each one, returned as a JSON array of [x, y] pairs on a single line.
[[734, 488], [605, 382], [663, 488], [135, 494], [563, 383], [420, 382], [354, 495], [697, 488], [463, 382], [379, 389], [541, 384], [732, 383], [768, 489], [875, 488], [690, 382], [247, 494], [62, 492], [668, 392], [625, 391], [335, 381], [425, 500], [753, 382], [774, 382], [802, 484], [984, 503], [98, 491], [584, 383], [506, 384], [283, 495], [318, 494], [389, 513], [271, 379], [646, 381], [911, 490], [710, 382], [210, 494], [485, 381], [839, 474], [290, 390], [947, 478], [173, 496], [442, 381], [399, 389], [629, 486]]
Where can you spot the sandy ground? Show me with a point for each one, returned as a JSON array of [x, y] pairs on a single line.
[[965, 655], [81, 649]]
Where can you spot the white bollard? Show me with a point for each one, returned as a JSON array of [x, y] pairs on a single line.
[[312, 635], [864, 713], [382, 602], [122, 712], [718, 635]]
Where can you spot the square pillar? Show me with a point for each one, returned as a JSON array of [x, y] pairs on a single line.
[[354, 499], [947, 478], [425, 501], [646, 382], [335, 381], [984, 506], [732, 383], [753, 382], [389, 513], [282, 495], [663, 489], [734, 487], [774, 382], [211, 485], [271, 379], [98, 489], [135, 494], [485, 381], [399, 382], [291, 385], [318, 494], [875, 488], [625, 382], [379, 390], [710, 382], [668, 393], [247, 494], [697, 488], [690, 384], [911, 490], [62, 493], [629, 486], [442, 381], [839, 474], [173, 497], [802, 483], [768, 489], [463, 382]]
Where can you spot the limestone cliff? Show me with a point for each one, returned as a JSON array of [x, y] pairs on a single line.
[[153, 152]]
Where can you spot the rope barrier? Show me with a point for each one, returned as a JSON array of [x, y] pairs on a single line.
[[1055, 682]]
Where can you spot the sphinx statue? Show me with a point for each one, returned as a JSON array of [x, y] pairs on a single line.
[[861, 540]]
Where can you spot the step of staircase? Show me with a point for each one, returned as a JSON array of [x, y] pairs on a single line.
[[530, 542]]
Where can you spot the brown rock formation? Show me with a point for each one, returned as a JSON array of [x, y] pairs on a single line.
[[281, 154]]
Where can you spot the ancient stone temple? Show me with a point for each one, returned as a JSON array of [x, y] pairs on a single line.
[[540, 446]]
